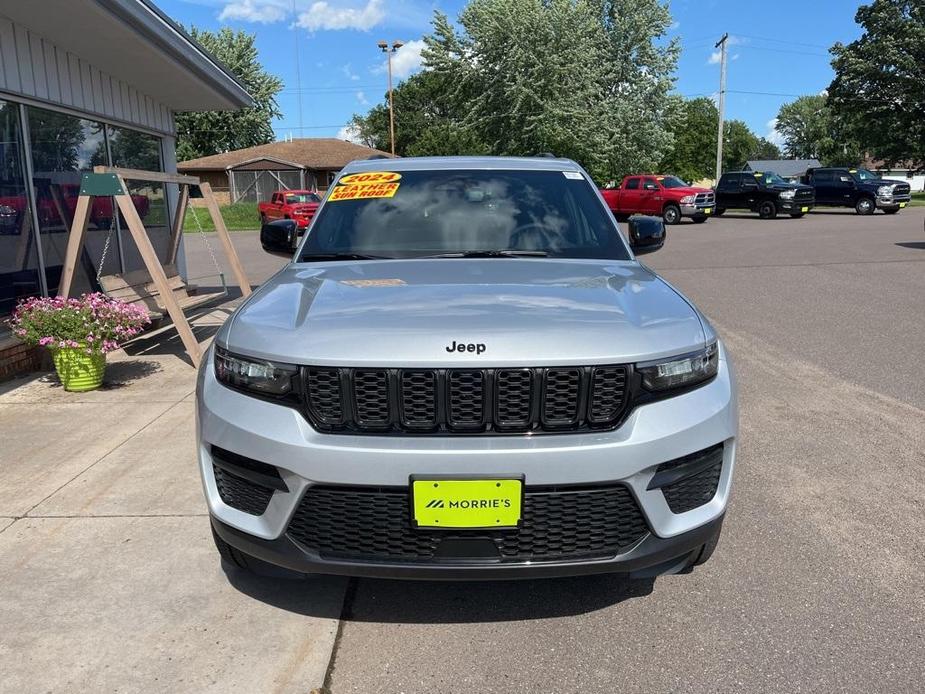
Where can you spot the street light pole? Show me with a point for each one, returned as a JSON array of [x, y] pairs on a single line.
[[389, 50]]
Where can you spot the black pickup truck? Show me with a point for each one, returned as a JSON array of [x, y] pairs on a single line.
[[763, 192], [861, 189]]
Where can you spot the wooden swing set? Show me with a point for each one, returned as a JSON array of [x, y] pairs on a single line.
[[159, 288]]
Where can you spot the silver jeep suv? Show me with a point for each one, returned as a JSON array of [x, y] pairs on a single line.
[[465, 373]]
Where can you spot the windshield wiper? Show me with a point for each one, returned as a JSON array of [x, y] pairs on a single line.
[[499, 253], [340, 256]]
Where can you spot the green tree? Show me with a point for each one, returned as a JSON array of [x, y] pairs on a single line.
[[209, 132], [586, 79], [740, 144], [693, 153], [811, 131], [879, 85], [425, 121]]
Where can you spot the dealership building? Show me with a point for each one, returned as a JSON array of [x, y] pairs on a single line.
[[86, 83]]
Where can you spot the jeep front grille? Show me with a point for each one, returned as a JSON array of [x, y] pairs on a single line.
[[460, 401]]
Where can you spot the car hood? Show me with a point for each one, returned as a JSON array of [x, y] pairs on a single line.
[[407, 312], [790, 186]]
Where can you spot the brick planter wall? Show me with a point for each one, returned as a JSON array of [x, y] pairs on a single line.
[[17, 358]]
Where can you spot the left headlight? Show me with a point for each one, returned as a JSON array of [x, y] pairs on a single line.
[[257, 376], [681, 371]]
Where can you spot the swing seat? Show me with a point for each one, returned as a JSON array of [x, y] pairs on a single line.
[[137, 287]]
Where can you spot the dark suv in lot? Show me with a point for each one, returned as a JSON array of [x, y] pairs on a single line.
[[763, 192], [861, 189]]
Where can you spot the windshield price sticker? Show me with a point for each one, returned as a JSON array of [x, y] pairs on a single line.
[[574, 175], [362, 186]]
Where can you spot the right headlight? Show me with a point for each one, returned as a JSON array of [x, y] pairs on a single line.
[[688, 199], [256, 376], [885, 190], [787, 194], [681, 371]]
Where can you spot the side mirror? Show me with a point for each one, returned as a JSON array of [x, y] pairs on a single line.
[[646, 234], [280, 237]]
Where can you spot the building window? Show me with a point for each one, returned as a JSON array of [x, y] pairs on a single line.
[[19, 273]]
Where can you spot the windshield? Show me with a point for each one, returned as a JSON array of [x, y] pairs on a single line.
[[297, 198], [863, 175], [426, 213], [672, 182], [769, 178]]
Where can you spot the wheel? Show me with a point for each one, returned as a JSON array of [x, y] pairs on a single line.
[[865, 205], [699, 220], [671, 214], [719, 211], [797, 215], [706, 551], [767, 209], [892, 211], [245, 562]]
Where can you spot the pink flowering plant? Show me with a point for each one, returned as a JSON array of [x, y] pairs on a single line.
[[94, 322]]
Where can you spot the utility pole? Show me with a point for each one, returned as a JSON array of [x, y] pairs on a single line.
[[721, 44], [389, 50], [298, 75]]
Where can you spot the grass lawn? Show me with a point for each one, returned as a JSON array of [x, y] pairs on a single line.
[[238, 217], [918, 199]]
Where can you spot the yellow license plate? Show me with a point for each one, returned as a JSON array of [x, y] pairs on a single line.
[[707, 210], [437, 503], [804, 209], [902, 205]]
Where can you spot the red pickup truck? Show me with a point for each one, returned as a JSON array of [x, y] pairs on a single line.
[[299, 205], [665, 196]]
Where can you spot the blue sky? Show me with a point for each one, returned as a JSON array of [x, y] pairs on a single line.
[[777, 48]]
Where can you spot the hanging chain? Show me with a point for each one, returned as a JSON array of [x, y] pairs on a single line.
[[112, 226], [204, 237]]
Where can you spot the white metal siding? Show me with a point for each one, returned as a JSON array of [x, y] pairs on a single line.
[[34, 67]]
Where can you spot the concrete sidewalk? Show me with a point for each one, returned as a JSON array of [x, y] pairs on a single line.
[[110, 581]]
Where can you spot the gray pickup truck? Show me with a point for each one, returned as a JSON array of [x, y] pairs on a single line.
[[464, 372]]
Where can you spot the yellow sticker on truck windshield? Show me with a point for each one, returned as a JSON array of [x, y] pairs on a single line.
[[362, 186]]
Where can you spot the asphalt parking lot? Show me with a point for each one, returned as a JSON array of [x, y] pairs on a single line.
[[819, 581]]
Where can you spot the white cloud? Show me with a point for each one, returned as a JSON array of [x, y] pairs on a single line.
[[773, 135], [405, 60], [714, 58], [260, 11], [322, 15], [361, 97], [350, 134], [674, 25], [349, 73]]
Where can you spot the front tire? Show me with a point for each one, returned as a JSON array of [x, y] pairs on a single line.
[[719, 211], [797, 215], [671, 214], [865, 206], [767, 209], [699, 220], [892, 211]]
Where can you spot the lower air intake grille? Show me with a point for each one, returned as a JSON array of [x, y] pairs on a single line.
[[240, 493], [373, 524], [695, 490]]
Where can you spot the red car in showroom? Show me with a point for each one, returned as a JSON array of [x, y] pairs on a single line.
[[667, 197]]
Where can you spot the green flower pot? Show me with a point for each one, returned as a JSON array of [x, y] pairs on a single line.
[[79, 371]]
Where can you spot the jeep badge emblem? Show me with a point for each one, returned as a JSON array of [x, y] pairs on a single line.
[[477, 347]]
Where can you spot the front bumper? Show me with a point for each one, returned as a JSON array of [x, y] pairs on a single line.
[[795, 206], [651, 435], [893, 202], [704, 209]]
